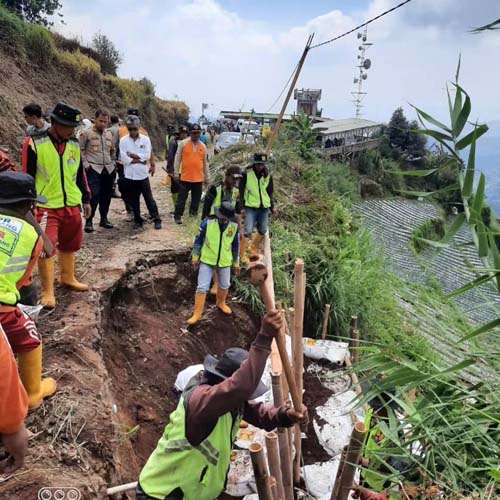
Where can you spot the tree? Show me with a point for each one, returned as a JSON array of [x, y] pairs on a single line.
[[110, 57], [34, 11]]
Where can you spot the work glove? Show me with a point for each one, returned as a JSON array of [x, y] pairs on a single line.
[[272, 323]]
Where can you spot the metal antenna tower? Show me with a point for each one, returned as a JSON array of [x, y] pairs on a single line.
[[364, 64]]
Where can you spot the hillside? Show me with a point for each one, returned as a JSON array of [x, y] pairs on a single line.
[[37, 65]]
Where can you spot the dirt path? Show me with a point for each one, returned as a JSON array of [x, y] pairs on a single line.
[[115, 352]]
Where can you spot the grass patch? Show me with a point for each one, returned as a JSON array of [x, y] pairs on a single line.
[[433, 229], [81, 66]]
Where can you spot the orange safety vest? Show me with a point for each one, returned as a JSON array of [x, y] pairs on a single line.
[[192, 162]]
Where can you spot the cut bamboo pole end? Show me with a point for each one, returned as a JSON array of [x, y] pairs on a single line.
[[273, 459], [260, 472], [355, 346], [326, 318]]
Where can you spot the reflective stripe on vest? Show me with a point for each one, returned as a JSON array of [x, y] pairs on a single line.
[[235, 194], [256, 195], [217, 247], [199, 471], [56, 174], [17, 242]]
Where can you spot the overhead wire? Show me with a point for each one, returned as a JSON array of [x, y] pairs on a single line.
[[284, 88], [361, 25]]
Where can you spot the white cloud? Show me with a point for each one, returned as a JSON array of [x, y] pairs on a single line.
[[202, 52]]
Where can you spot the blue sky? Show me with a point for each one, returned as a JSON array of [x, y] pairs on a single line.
[[234, 53]]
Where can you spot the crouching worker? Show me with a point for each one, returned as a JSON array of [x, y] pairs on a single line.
[[215, 249], [192, 458], [20, 248]]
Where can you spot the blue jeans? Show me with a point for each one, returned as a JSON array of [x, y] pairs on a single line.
[[205, 277], [256, 217]]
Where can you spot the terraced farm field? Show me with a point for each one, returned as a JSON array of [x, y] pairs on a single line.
[[392, 222]]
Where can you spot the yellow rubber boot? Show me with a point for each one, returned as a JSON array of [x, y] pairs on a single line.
[[67, 272], [215, 286], [46, 274], [199, 306], [221, 301], [243, 250], [30, 372], [255, 249]]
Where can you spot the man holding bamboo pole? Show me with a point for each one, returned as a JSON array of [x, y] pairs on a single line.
[[192, 457]]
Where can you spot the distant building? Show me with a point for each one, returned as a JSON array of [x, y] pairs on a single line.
[[307, 101], [348, 136], [261, 118]]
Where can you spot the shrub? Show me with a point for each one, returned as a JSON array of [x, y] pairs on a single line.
[[432, 229], [81, 66], [39, 44]]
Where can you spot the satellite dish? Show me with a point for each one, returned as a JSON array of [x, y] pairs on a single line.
[[367, 64], [359, 35], [360, 47], [365, 76], [359, 57], [356, 80], [364, 39]]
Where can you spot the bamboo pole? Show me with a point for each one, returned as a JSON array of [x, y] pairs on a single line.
[[355, 380], [260, 471], [120, 489], [351, 462], [340, 468], [274, 488], [355, 346], [273, 459], [284, 447], [326, 318], [354, 322], [298, 356], [289, 94]]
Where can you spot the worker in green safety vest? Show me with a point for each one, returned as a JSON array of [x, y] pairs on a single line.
[[225, 191], [215, 250], [193, 455], [256, 191]]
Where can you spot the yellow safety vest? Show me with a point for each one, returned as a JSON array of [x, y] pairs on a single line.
[[56, 174], [235, 195], [256, 195], [17, 242], [217, 247], [199, 471]]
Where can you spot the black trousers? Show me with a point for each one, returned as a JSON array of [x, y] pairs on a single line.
[[196, 189], [121, 186], [133, 191], [101, 187]]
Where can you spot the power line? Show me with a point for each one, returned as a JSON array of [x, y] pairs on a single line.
[[284, 88], [361, 25]]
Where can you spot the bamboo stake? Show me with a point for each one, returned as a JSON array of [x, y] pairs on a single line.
[[355, 380], [351, 462], [284, 448], [260, 471], [298, 357], [340, 468], [274, 488], [273, 459], [354, 322], [355, 346], [290, 90], [120, 489], [326, 318]]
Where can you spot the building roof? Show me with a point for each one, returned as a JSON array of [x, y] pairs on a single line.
[[330, 127], [246, 115]]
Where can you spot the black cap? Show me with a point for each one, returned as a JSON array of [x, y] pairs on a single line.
[[260, 158], [66, 115], [134, 111], [195, 128], [225, 210], [16, 187], [183, 128], [229, 362]]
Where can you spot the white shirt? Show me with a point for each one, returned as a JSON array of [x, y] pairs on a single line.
[[142, 148]]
